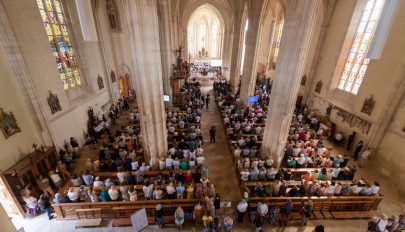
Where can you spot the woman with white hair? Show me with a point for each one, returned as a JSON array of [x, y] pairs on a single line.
[[179, 217]]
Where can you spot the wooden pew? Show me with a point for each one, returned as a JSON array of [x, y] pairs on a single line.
[[329, 207], [289, 183], [68, 210], [94, 221], [151, 173]]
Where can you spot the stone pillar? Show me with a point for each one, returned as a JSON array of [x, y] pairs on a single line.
[[237, 43], [300, 18], [6, 225], [166, 32], [255, 15], [143, 33]]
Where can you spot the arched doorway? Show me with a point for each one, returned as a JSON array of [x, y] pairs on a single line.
[[124, 85]]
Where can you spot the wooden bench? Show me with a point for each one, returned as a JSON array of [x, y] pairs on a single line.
[[151, 173], [354, 214], [110, 210], [116, 222], [95, 221], [328, 207]]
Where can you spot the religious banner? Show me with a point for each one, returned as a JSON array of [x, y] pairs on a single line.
[[8, 124]]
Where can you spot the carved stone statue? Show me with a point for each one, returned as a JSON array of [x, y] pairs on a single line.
[[318, 87], [368, 105], [100, 82], [113, 80], [329, 110], [303, 80], [53, 102], [112, 13]]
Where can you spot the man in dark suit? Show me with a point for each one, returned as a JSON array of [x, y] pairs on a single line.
[[357, 150]]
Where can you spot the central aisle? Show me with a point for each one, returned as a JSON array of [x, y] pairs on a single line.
[[218, 156]]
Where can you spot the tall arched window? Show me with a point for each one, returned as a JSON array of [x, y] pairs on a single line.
[[58, 35], [214, 39], [191, 39], [356, 62], [242, 59], [202, 35], [278, 40]]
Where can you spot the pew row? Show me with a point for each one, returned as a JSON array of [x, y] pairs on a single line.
[[329, 207], [113, 209]]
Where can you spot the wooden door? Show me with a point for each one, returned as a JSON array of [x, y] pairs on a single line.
[[8, 200]]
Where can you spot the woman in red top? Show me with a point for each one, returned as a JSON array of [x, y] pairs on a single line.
[[189, 177]]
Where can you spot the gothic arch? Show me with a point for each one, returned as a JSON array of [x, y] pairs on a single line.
[[222, 10]]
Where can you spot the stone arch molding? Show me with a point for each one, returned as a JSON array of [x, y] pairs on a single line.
[[222, 11]]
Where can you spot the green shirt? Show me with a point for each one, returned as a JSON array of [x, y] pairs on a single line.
[[183, 165], [292, 163]]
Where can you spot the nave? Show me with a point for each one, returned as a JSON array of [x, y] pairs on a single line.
[[226, 183]]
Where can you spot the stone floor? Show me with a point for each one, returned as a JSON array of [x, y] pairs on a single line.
[[221, 172]]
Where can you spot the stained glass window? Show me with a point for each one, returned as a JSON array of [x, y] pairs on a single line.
[[214, 39], [61, 44], [277, 45], [356, 62]]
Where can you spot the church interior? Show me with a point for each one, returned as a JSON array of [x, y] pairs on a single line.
[[202, 115]]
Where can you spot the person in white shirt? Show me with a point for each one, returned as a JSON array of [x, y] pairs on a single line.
[[242, 208], [134, 165], [169, 163], [355, 189], [162, 164], [172, 151], [262, 209], [170, 191], [375, 188], [157, 194], [244, 175], [98, 182], [148, 191], [55, 178], [73, 195], [114, 193], [200, 161], [258, 130], [364, 156]]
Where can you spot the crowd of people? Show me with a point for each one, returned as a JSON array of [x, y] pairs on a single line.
[[384, 223]]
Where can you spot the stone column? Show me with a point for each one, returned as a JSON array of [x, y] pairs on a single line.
[[255, 15], [300, 18], [166, 32], [237, 43], [143, 33], [6, 225]]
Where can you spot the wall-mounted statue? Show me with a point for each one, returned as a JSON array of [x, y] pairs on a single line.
[[113, 80], [53, 102], [100, 82], [113, 16], [303, 80], [329, 110], [8, 124], [318, 87], [368, 105]]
